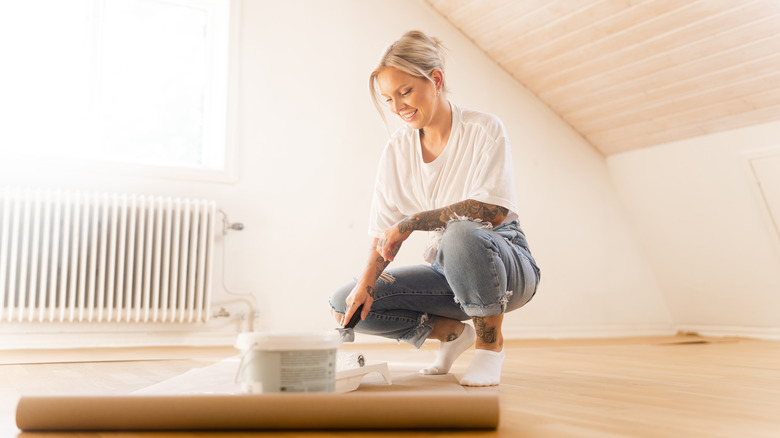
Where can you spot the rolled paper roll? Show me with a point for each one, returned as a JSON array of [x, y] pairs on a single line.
[[388, 410]]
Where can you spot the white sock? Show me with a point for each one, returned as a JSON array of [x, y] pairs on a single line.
[[484, 369], [449, 351]]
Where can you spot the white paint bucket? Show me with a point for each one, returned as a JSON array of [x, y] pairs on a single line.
[[288, 362]]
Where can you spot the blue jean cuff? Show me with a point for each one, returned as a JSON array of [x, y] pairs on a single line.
[[473, 310], [420, 333]]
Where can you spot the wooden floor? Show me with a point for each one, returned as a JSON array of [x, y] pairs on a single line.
[[640, 387]]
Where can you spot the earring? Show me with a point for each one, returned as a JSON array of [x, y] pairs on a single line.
[[438, 92]]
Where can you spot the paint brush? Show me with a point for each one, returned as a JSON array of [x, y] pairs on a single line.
[[348, 331]]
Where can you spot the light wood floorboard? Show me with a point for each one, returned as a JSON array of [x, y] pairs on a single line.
[[682, 386]]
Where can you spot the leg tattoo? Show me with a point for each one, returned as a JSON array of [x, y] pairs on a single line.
[[485, 333]]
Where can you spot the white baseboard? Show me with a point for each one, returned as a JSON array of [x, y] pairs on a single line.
[[716, 331], [113, 340], [587, 331], [560, 332], [618, 331], [93, 335], [224, 334]]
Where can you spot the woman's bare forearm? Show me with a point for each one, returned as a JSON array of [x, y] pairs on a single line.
[[436, 219], [375, 265]]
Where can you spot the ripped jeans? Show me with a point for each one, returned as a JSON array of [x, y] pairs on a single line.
[[478, 271]]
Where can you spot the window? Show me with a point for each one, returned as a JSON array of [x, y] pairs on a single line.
[[126, 81]]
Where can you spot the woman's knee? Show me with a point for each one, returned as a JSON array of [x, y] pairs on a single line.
[[338, 298], [461, 238]]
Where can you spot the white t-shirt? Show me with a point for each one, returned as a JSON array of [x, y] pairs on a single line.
[[476, 164]]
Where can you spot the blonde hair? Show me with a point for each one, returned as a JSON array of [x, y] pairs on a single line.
[[416, 54]]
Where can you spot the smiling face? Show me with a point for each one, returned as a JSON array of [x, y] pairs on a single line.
[[412, 98]]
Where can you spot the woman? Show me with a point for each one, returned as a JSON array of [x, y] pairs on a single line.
[[447, 171]]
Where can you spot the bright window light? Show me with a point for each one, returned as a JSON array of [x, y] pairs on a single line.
[[128, 81]]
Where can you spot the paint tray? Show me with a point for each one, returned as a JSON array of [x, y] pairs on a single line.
[[349, 379]]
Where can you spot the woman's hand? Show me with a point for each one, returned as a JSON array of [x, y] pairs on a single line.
[[362, 293], [390, 241]]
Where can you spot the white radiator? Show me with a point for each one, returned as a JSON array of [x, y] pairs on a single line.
[[95, 257]]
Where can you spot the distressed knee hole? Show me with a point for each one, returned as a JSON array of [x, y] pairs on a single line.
[[478, 221], [387, 277], [505, 300], [339, 317]]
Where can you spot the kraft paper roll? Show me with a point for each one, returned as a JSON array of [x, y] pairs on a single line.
[[392, 410]]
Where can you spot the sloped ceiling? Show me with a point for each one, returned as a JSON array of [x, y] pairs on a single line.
[[629, 74]]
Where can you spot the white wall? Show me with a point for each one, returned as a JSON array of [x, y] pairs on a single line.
[[309, 140], [703, 223]]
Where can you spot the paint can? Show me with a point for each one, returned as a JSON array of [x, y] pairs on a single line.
[[288, 362]]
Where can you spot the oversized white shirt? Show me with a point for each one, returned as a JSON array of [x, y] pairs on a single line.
[[476, 164]]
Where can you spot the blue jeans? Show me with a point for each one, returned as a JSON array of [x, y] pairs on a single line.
[[479, 271]]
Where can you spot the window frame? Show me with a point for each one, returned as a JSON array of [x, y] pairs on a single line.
[[222, 107]]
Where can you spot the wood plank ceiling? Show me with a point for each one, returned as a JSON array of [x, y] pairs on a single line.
[[629, 74]]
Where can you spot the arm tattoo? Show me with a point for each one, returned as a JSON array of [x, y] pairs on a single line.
[[384, 263], [434, 219], [370, 291], [484, 333], [381, 268]]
